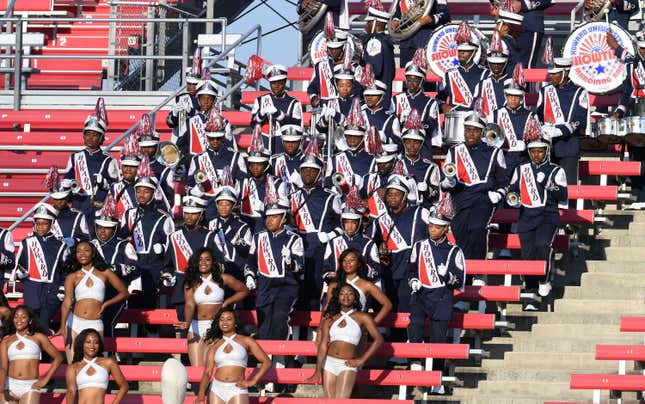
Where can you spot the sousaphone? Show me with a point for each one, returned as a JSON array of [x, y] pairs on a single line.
[[312, 11], [408, 23]]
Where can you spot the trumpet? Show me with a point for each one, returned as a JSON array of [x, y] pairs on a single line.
[[513, 200], [339, 181], [450, 170], [75, 186], [201, 178], [168, 154], [493, 135]]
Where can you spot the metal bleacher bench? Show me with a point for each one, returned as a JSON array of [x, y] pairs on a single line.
[[156, 399]]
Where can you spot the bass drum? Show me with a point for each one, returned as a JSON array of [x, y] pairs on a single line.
[[441, 49], [318, 47], [594, 66]]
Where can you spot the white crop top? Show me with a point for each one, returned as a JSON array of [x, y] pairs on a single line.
[[236, 357], [214, 294], [96, 291], [350, 333], [98, 379], [30, 350]]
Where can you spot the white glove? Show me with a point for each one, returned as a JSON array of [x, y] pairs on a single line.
[[269, 110], [494, 197], [442, 269], [135, 286], [328, 112], [157, 248], [323, 237], [549, 132], [177, 109], [422, 186], [415, 285], [286, 255], [257, 206], [540, 177], [168, 280], [250, 282], [448, 182]]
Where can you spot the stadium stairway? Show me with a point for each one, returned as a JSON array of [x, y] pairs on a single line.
[[533, 363]]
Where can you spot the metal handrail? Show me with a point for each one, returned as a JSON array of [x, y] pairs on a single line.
[[256, 29], [579, 6]]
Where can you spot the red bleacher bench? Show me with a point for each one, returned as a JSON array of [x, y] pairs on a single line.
[[74, 118], [623, 168], [632, 324], [569, 216], [613, 383], [620, 352], [152, 399]]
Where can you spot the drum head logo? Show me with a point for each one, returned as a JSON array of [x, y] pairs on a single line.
[[441, 50], [594, 65], [318, 47]]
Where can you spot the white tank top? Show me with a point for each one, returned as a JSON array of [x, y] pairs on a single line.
[[350, 333], [96, 291]]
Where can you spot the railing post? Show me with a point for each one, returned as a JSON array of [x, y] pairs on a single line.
[[17, 77], [150, 50], [185, 50], [111, 73], [210, 13]]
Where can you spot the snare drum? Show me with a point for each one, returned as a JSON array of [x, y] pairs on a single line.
[[454, 126], [635, 130], [607, 131]]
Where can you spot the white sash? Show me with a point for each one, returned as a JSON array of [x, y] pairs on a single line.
[[249, 198], [301, 213], [266, 104], [206, 165], [38, 270], [325, 77], [340, 245], [138, 239], [504, 121], [529, 192], [266, 263], [490, 101], [343, 166], [375, 203], [394, 241], [197, 135], [638, 79], [461, 94], [466, 169], [428, 274], [402, 107], [83, 173], [182, 250], [552, 110]]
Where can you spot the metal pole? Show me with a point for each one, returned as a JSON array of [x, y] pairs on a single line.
[[111, 73], [150, 50], [210, 13], [161, 51], [17, 77], [185, 50]]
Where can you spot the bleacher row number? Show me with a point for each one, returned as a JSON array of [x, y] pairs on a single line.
[[62, 41], [132, 41], [48, 116], [19, 209], [132, 116], [5, 184], [63, 137]]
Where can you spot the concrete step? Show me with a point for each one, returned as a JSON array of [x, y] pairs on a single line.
[[564, 331], [593, 266], [573, 344], [616, 289], [549, 360], [619, 255], [529, 388], [563, 318], [624, 307], [635, 229], [473, 398], [623, 240]]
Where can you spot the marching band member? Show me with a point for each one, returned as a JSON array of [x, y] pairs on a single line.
[[165, 175], [321, 85], [212, 162], [415, 99], [437, 267], [438, 15], [379, 50], [7, 254], [461, 85], [276, 257], [541, 189], [493, 86], [397, 230], [374, 183], [385, 121], [181, 245], [334, 10], [87, 278], [620, 11], [530, 39], [288, 162], [276, 108], [205, 289], [120, 255], [351, 237], [348, 90], [338, 358], [147, 228], [194, 141], [253, 186], [423, 171], [39, 264], [186, 104], [512, 119], [93, 168], [509, 25], [477, 186], [563, 107], [315, 213], [122, 191], [70, 224]]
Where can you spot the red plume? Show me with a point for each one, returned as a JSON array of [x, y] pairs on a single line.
[[197, 62], [518, 75], [398, 169], [312, 148], [547, 56], [463, 33], [478, 106], [226, 179], [413, 121], [253, 69], [216, 122], [355, 117], [145, 125], [375, 4], [532, 130], [256, 140], [110, 208], [144, 167], [374, 145], [206, 74], [367, 76], [329, 26], [506, 5], [419, 59], [445, 207], [270, 194], [496, 45], [51, 181], [347, 57], [100, 112], [131, 146], [353, 201]]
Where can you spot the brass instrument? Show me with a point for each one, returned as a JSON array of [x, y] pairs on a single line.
[[450, 170], [312, 11], [168, 154], [599, 9], [493, 135], [340, 182], [513, 200], [75, 186], [408, 23], [200, 177]]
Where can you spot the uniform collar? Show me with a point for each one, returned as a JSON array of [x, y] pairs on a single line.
[[438, 243]]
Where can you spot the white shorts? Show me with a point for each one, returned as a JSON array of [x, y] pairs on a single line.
[[200, 327], [78, 324], [226, 390], [19, 388], [336, 366]]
